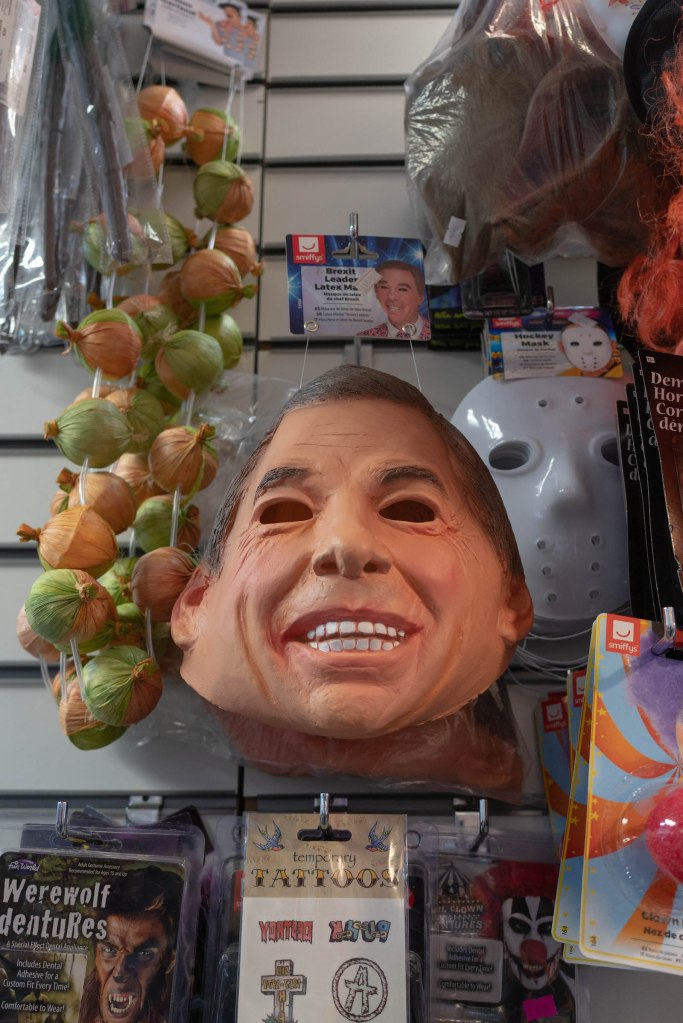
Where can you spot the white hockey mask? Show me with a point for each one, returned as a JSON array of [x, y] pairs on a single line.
[[551, 447], [587, 346]]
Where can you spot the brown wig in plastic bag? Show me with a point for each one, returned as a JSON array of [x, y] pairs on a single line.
[[519, 125]]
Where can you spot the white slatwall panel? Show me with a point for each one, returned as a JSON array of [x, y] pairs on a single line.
[[362, 44], [319, 201], [36, 758], [35, 388], [29, 477], [335, 123]]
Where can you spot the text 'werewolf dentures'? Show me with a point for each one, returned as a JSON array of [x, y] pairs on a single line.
[[347, 635]]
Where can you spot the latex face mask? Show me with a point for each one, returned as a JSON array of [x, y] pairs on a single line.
[[533, 953], [552, 450], [587, 347], [358, 593]]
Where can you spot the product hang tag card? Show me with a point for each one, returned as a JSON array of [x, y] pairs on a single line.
[[70, 917], [552, 734], [567, 914], [222, 35], [369, 287], [632, 895], [575, 341], [323, 922]]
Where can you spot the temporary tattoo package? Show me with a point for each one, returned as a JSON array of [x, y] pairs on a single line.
[[369, 287], [97, 924], [632, 893], [492, 954], [323, 920]]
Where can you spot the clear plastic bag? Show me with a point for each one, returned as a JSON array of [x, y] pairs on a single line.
[[519, 125]]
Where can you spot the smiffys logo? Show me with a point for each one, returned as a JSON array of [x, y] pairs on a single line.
[[23, 866], [623, 635], [308, 248], [554, 714]]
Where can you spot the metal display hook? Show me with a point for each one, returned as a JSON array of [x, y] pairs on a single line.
[[483, 825], [61, 820], [355, 249], [668, 638]]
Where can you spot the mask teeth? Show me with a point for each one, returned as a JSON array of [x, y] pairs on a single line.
[[348, 629], [353, 643]]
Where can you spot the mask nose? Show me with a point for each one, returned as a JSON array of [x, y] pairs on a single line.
[[348, 548], [563, 489]]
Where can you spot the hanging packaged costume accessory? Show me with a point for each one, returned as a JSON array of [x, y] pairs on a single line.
[[632, 891], [323, 919], [98, 920], [519, 125], [490, 901]]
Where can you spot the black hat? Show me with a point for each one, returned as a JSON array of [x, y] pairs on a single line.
[[649, 45]]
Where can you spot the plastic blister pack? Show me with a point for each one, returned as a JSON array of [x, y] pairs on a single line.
[[89, 197], [98, 919], [490, 893], [518, 126], [632, 901], [308, 918]]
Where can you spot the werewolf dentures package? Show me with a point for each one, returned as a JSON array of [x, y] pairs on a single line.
[[100, 926]]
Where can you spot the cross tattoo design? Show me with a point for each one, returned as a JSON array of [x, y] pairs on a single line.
[[283, 984]]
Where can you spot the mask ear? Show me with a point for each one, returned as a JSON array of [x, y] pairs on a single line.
[[188, 610], [517, 617]]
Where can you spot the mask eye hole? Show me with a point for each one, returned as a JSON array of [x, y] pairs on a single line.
[[285, 511], [408, 511], [511, 454], [608, 450]]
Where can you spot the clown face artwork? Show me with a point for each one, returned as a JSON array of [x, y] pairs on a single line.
[[532, 953]]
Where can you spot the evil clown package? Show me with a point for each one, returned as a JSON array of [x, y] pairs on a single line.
[[98, 929], [492, 953], [632, 897], [323, 931], [369, 287]]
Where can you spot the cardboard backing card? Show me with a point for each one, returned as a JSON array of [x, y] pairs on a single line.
[[663, 378], [323, 931], [640, 583], [99, 923], [668, 586]]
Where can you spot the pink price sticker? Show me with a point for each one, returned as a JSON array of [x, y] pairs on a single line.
[[537, 1008]]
